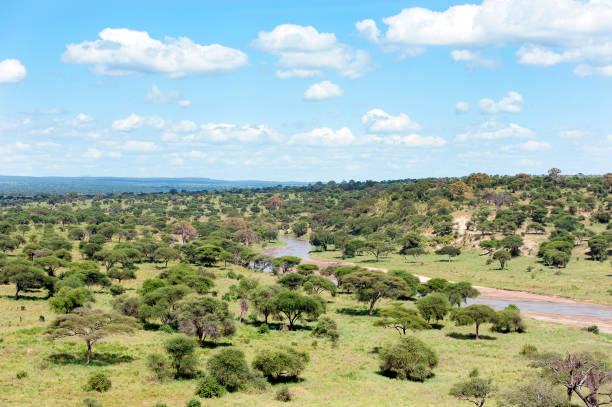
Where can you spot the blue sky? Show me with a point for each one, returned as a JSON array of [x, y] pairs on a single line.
[[287, 90]]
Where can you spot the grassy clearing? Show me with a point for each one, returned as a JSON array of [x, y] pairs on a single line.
[[581, 279], [346, 375]]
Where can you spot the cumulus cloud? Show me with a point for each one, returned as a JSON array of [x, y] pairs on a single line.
[[220, 132], [135, 121], [136, 145], [379, 121], [157, 96], [11, 70], [184, 103], [303, 48], [474, 59], [462, 107], [511, 103], [322, 90], [368, 30], [547, 32], [121, 51], [93, 153], [297, 73], [573, 134], [410, 140], [494, 131], [324, 136], [531, 145]]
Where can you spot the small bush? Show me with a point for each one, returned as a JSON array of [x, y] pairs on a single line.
[[22, 374], [529, 351], [208, 388], [593, 329], [263, 329], [280, 364], [87, 402], [508, 320], [160, 366], [116, 290], [193, 403], [284, 394], [98, 381], [326, 327], [229, 368], [167, 329], [160, 405], [408, 359]]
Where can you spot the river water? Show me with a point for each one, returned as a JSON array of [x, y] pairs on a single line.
[[301, 248]]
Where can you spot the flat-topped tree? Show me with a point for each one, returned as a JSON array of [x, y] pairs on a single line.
[[284, 263], [401, 319], [26, 277], [90, 326], [475, 314], [370, 286], [294, 306]]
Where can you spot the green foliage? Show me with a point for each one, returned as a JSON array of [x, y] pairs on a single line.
[[433, 307], [508, 320], [502, 256], [181, 350], [22, 374], [193, 403], [229, 368], [294, 306], [475, 314], [401, 319], [474, 390], [284, 394], [67, 299], [371, 286], [326, 327], [284, 363], [99, 382], [160, 366], [529, 351], [204, 317], [208, 388], [408, 359], [89, 402]]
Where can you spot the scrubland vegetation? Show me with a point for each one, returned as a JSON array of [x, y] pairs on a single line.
[[162, 299]]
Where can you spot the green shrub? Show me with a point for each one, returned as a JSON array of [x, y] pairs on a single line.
[[181, 349], [284, 394], [263, 329], [160, 405], [229, 368], [529, 351], [208, 388], [87, 402], [326, 327], [279, 364], [593, 329], [167, 329], [98, 381], [116, 290], [193, 403], [408, 359], [160, 366], [508, 320], [22, 374]]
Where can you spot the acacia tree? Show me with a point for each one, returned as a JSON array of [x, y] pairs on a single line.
[[474, 390], [91, 326], [26, 277], [370, 286], [502, 256], [204, 317], [402, 319], [586, 375], [475, 314], [294, 306], [376, 246], [185, 229], [450, 251]]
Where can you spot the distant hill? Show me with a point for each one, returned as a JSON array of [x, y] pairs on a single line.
[[91, 185]]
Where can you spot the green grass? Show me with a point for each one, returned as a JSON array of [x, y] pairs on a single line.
[[582, 279], [346, 375]]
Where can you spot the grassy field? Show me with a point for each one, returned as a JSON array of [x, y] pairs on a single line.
[[581, 279], [344, 375]]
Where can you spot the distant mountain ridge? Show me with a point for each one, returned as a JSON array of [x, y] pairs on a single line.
[[89, 185]]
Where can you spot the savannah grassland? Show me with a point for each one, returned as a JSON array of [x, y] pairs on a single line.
[[342, 375], [581, 279]]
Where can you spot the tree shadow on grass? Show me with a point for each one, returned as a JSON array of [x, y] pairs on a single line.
[[25, 298], [457, 335], [436, 326], [97, 359], [213, 344], [356, 311], [285, 379], [392, 375]]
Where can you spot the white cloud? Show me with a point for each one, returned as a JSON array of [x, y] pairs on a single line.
[[368, 29], [92, 153], [184, 103], [494, 131], [134, 145], [573, 134], [196, 154], [135, 121], [304, 48], [297, 73], [610, 138], [462, 107], [511, 103], [531, 145], [11, 70], [79, 120], [583, 70], [548, 32], [410, 140], [324, 136], [379, 121], [157, 96], [322, 90], [185, 126], [220, 132], [474, 59], [122, 51]]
